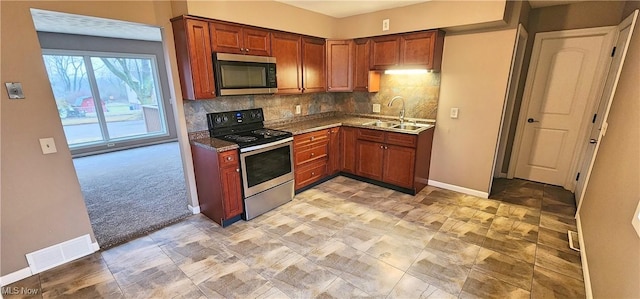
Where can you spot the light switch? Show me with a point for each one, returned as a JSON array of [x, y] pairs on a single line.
[[298, 109], [454, 113], [48, 146], [376, 108], [385, 25]]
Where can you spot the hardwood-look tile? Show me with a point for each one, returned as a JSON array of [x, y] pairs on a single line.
[[279, 225], [396, 251], [165, 281], [550, 284], [200, 266], [465, 231], [304, 238], [444, 209], [334, 255], [440, 271], [567, 263], [519, 213], [378, 221], [554, 239], [558, 208], [88, 276], [517, 198], [416, 213], [486, 205], [504, 268], [455, 250], [372, 276], [515, 228], [298, 277], [481, 285], [557, 223], [558, 194], [412, 287], [358, 236], [432, 221], [512, 246], [235, 280], [410, 230], [340, 288]]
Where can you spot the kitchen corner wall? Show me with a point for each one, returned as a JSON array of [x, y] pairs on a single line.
[[419, 91]]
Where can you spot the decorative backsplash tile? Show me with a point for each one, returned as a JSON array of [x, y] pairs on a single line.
[[420, 93]]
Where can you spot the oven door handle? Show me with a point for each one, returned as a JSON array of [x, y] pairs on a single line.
[[261, 146]]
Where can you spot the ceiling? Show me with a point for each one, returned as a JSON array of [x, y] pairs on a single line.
[[51, 21], [341, 9]]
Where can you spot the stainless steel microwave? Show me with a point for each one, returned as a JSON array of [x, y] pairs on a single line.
[[244, 74]]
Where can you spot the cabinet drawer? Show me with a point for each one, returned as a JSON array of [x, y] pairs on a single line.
[[309, 153], [402, 139], [371, 135], [228, 159], [310, 173], [312, 137]]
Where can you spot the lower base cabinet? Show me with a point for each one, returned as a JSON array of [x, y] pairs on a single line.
[[218, 184]]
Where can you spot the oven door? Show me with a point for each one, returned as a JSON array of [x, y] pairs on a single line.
[[266, 166]]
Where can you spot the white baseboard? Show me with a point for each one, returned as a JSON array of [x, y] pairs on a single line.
[[583, 259], [15, 276], [95, 246], [459, 189], [194, 210]]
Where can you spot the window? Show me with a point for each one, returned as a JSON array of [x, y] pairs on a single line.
[[106, 97]]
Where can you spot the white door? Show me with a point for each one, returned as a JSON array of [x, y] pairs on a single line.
[[623, 32], [564, 80]]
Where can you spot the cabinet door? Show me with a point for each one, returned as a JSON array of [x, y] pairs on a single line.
[[257, 42], [193, 49], [363, 78], [313, 65], [417, 49], [348, 149], [226, 38], [340, 65], [369, 159], [286, 49], [385, 52], [399, 164], [231, 192], [334, 150]]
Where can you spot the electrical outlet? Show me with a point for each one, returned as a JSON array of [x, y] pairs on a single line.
[[48, 146], [298, 109], [385, 25], [376, 108], [454, 113]]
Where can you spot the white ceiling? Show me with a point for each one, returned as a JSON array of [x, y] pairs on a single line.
[[341, 9], [51, 21]]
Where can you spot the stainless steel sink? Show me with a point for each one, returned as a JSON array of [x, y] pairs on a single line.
[[384, 124], [407, 127]]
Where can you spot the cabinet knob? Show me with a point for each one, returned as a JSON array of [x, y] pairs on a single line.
[[313, 154], [312, 138], [229, 158], [386, 147], [247, 50], [329, 87], [381, 146], [313, 173], [237, 169]]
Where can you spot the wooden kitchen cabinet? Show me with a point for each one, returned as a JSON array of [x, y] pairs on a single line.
[[334, 151], [398, 165], [363, 78], [193, 53], [286, 48], [218, 184], [370, 159], [409, 50], [313, 65], [348, 149], [340, 65], [238, 39], [310, 152]]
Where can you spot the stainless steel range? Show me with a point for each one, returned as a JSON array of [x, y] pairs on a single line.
[[266, 158]]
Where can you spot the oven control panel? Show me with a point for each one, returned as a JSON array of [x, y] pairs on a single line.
[[232, 118]]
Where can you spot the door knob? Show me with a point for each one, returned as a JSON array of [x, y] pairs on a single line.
[[593, 141], [531, 120]]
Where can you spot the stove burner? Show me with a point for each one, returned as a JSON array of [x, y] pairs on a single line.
[[268, 132], [239, 138]]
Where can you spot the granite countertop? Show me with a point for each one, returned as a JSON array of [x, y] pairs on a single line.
[[214, 144], [358, 121]]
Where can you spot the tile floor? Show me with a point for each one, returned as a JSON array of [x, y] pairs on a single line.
[[347, 239]]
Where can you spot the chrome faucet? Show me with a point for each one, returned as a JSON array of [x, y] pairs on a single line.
[[401, 110]]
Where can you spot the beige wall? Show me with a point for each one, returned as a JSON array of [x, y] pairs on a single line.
[[42, 203], [475, 82], [428, 15], [611, 244]]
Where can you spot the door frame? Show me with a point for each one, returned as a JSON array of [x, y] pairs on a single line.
[[592, 102]]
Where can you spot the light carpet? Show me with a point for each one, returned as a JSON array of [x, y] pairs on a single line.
[[132, 192]]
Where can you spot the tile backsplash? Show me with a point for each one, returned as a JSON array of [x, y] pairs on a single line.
[[420, 93]]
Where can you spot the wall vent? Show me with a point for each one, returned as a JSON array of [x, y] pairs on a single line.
[[59, 254]]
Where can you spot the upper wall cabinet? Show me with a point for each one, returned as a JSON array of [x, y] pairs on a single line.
[[363, 78], [410, 50], [340, 65], [300, 63], [232, 38], [193, 51]]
